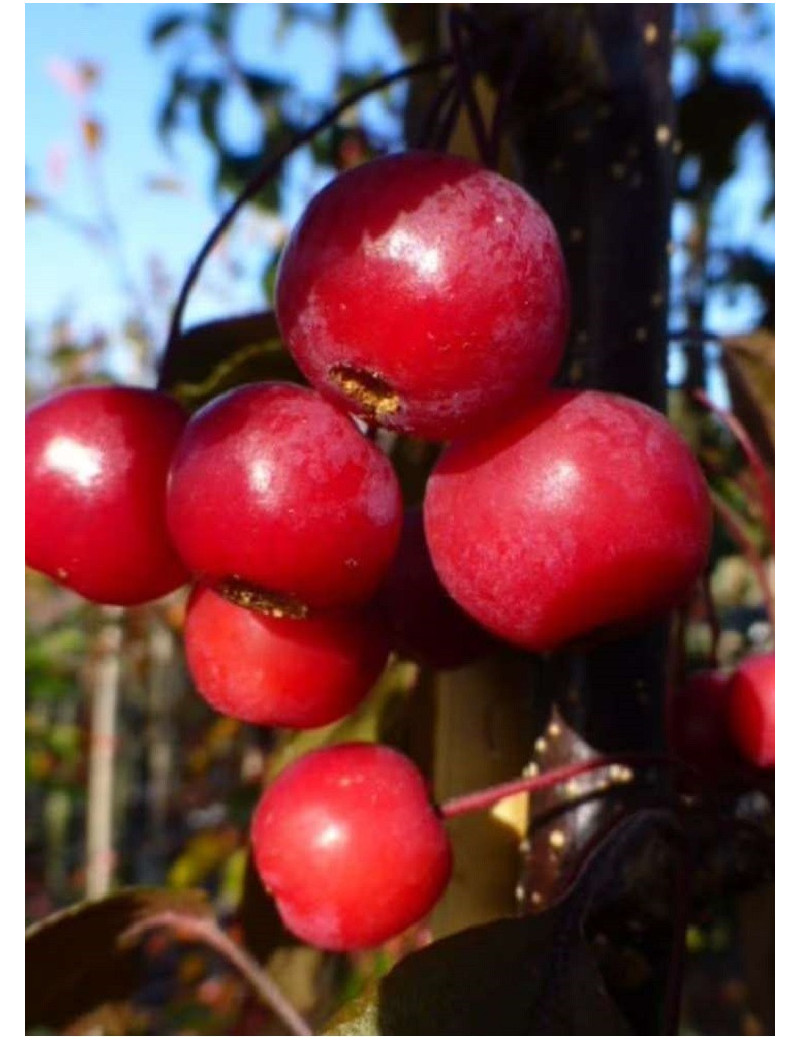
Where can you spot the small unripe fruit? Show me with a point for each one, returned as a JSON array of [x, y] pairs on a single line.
[[96, 464], [281, 671], [751, 711], [348, 843], [276, 499], [424, 293], [584, 512]]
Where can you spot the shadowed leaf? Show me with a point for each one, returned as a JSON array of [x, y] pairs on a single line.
[[212, 358], [77, 959], [749, 363], [166, 27]]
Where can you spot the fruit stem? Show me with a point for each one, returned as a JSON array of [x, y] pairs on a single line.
[[475, 801], [755, 461], [433, 117], [500, 116], [736, 529], [206, 930], [464, 74], [271, 169]]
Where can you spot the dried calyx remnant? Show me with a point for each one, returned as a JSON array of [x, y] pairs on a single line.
[[374, 396], [273, 604]]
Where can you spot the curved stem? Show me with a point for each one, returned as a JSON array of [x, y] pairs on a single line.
[[464, 74], [736, 529], [272, 168], [476, 801], [433, 116], [754, 460], [207, 931], [448, 122], [500, 115]]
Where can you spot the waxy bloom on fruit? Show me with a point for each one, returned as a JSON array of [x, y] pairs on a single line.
[[348, 843], [751, 713], [278, 501], [96, 464], [280, 671], [583, 512], [425, 293]]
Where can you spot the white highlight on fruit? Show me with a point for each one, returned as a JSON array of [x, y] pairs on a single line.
[[75, 460], [400, 245], [260, 477]]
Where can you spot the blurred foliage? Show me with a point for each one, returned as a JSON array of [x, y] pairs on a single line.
[[187, 780]]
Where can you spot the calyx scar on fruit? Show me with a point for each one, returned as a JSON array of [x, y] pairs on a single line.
[[278, 501], [424, 293]]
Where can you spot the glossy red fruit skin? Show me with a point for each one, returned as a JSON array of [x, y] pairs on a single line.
[[751, 710], [281, 671], [697, 727], [584, 512], [274, 488], [425, 622], [350, 847], [96, 464], [442, 279]]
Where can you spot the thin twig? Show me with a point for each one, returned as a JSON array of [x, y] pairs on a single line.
[[464, 74], [696, 337], [271, 169], [104, 696], [207, 931], [433, 116], [756, 463], [476, 801], [738, 532], [500, 115], [448, 123]]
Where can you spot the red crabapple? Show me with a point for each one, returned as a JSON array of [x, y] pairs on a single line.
[[585, 511], [425, 623], [424, 293], [277, 500], [281, 671], [696, 725], [96, 464], [350, 846], [751, 710]]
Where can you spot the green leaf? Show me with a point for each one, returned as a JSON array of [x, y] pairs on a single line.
[[541, 974], [79, 958], [358, 1018], [263, 88], [212, 358], [208, 99], [167, 26], [219, 18], [514, 977], [714, 115]]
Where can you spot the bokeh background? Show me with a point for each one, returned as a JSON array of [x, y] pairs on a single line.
[[143, 121]]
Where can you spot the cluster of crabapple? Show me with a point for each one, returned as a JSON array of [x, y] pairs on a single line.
[[428, 296]]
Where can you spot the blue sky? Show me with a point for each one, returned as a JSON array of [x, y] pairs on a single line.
[[67, 275]]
